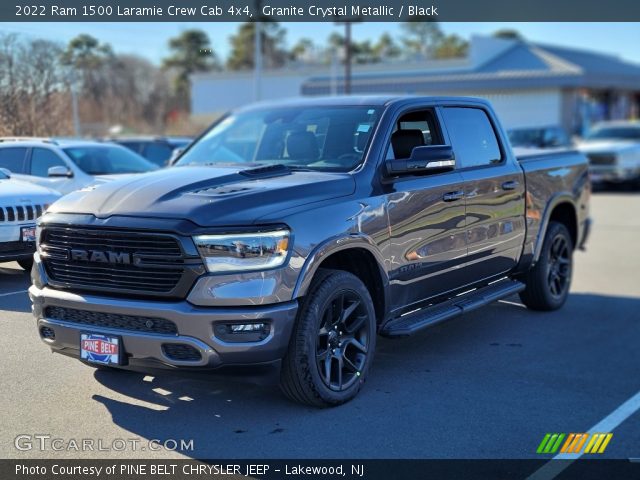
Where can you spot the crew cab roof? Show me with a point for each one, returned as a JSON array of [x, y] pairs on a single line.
[[355, 100]]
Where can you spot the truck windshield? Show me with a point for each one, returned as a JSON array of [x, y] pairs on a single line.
[[615, 133], [332, 138], [108, 159]]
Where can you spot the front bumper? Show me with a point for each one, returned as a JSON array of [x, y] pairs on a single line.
[[11, 246], [195, 328]]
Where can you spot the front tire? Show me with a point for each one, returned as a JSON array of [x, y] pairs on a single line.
[[548, 282], [332, 345]]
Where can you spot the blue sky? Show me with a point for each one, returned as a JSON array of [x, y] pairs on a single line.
[[150, 39]]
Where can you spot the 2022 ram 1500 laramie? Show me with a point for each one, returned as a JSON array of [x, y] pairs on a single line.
[[292, 233]]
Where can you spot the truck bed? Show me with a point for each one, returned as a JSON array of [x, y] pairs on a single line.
[[552, 177]]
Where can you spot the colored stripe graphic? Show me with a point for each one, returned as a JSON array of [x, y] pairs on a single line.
[[570, 438], [550, 443], [574, 443], [598, 443]]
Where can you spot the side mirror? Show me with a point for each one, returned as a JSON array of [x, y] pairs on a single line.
[[428, 158], [59, 171], [6, 171]]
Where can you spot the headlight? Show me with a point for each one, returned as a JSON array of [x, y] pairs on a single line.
[[243, 252]]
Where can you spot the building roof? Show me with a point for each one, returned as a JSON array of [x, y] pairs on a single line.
[[498, 64]]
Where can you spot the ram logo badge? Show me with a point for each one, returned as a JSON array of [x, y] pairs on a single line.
[[100, 256]]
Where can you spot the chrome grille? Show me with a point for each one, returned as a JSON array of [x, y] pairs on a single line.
[[21, 213], [154, 262], [602, 159]]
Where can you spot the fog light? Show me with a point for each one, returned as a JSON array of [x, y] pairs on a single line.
[[47, 333], [242, 332], [247, 327]]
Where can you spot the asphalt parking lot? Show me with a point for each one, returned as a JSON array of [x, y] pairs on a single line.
[[489, 384]]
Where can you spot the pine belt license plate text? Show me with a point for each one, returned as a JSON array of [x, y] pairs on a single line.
[[28, 234], [102, 349]]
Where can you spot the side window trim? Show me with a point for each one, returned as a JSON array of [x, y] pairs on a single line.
[[437, 117], [27, 161], [503, 153]]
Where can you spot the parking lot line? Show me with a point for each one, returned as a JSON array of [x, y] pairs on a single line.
[[12, 293], [552, 468]]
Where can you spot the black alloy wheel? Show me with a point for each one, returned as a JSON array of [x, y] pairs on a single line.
[[559, 266], [343, 340], [332, 343]]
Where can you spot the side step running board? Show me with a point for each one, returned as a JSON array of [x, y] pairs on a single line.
[[426, 317]]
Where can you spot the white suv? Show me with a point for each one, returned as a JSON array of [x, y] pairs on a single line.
[[21, 203], [68, 165]]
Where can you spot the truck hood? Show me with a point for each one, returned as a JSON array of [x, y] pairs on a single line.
[[607, 146], [100, 179], [207, 196], [13, 191]]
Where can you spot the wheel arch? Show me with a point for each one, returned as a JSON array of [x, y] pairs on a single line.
[[356, 254], [562, 209]]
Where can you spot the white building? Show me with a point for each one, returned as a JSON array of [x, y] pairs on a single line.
[[528, 84]]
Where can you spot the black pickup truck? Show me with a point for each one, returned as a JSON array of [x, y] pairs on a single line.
[[291, 234]]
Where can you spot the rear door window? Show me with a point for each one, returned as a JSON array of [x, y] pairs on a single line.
[[472, 136]]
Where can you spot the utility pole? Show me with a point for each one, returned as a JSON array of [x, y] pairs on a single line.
[[257, 53], [257, 60], [74, 103], [347, 60], [347, 54]]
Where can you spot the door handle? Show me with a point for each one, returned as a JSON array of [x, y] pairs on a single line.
[[453, 196], [510, 185]]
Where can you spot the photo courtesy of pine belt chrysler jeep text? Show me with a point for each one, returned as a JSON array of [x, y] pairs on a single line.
[[291, 234]]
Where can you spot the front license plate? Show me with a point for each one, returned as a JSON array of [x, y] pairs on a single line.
[[102, 349], [28, 234]]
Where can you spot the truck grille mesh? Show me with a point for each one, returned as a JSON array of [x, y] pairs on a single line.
[[109, 260], [21, 213], [111, 320]]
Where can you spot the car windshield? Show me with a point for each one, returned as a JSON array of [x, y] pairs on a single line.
[[614, 133], [108, 160], [3, 176], [332, 138]]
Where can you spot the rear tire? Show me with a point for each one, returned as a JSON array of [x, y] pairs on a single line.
[[332, 345], [548, 282], [26, 263]]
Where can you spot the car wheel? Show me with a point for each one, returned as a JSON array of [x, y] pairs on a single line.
[[332, 345], [548, 282], [26, 263]]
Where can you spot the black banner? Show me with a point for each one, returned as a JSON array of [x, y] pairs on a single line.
[[317, 11], [316, 469]]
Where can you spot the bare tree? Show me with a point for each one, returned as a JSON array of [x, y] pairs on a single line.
[[33, 91]]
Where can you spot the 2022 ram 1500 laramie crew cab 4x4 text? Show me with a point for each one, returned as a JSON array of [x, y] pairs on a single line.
[[292, 233]]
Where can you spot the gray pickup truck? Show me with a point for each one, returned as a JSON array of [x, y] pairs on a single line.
[[291, 234]]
